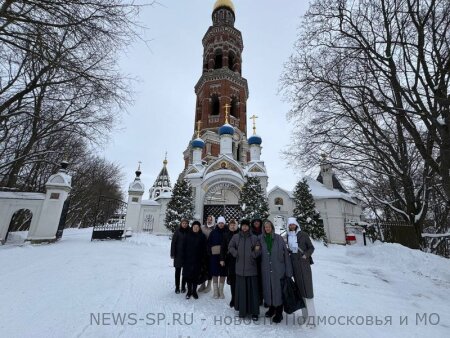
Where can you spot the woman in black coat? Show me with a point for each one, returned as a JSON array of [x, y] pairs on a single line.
[[194, 255], [177, 253], [227, 260], [218, 271]]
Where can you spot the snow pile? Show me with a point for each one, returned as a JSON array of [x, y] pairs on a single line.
[[79, 288]]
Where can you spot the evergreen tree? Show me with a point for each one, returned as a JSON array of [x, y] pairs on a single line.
[[254, 200], [180, 206], [305, 212]]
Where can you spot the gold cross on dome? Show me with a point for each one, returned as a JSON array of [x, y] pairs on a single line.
[[139, 166], [227, 112], [254, 117], [199, 125]]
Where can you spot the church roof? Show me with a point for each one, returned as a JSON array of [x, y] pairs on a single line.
[[319, 191], [336, 183], [163, 179]]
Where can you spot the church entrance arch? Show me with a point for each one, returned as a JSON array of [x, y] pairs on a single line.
[[222, 199]]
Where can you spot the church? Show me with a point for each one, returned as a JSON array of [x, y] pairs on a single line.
[[220, 155]]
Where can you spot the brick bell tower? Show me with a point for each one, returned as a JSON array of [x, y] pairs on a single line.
[[221, 87]]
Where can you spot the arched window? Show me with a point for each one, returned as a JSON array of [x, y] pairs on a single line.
[[215, 105], [231, 60], [279, 201], [218, 60], [234, 107]]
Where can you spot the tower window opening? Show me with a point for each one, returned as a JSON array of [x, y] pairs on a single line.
[[218, 61], [231, 61], [234, 108], [215, 105]]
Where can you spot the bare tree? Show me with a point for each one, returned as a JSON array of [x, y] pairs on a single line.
[[59, 75], [388, 57]]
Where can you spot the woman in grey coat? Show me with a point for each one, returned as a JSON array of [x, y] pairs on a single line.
[[301, 249], [246, 248], [275, 266]]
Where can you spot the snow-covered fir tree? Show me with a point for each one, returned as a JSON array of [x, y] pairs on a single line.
[[180, 206], [253, 200], [305, 212]]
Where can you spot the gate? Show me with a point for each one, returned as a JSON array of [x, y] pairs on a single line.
[[109, 219], [399, 232], [227, 211]]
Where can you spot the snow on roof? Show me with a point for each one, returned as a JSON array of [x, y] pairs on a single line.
[[22, 195], [319, 191], [150, 202], [220, 172], [164, 194]]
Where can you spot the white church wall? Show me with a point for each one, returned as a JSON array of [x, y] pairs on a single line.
[[334, 213]]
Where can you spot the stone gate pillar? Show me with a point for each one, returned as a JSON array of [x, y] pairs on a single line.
[[57, 187], [135, 192]]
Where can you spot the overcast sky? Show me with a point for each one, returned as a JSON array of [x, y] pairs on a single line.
[[161, 117]]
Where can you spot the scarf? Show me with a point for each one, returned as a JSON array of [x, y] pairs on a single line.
[[269, 241], [292, 241]]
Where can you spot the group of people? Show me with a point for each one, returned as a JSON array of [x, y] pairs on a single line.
[[251, 258]]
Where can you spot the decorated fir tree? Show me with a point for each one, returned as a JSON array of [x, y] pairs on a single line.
[[180, 206], [305, 212], [253, 201]]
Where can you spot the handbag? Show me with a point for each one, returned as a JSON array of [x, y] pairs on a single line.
[[292, 300], [215, 250]]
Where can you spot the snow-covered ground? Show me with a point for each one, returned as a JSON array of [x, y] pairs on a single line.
[[74, 287]]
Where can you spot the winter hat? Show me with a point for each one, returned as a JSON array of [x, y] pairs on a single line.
[[293, 220], [196, 222], [245, 222], [213, 222], [221, 219]]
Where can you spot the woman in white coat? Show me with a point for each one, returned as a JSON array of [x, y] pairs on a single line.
[[301, 248]]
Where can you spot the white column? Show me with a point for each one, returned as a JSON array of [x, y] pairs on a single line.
[[226, 145], [57, 190], [255, 153], [197, 156]]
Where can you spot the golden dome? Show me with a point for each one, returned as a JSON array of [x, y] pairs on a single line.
[[224, 3]]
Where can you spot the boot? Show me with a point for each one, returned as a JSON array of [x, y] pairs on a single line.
[[183, 285], [208, 287], [189, 291], [202, 287], [177, 284], [221, 295], [271, 312], [194, 291], [216, 290], [278, 314]]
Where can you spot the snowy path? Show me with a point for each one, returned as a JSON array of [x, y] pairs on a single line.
[[52, 290]]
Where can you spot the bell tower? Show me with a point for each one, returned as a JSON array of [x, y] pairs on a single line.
[[221, 90]]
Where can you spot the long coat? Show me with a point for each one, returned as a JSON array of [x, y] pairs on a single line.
[[215, 239], [302, 266], [225, 256], [274, 267], [242, 247], [194, 255], [177, 246]]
